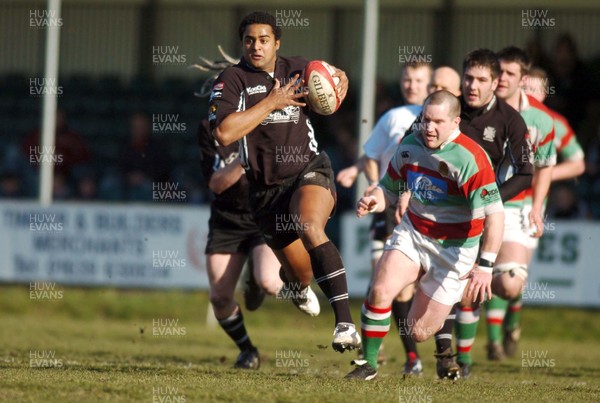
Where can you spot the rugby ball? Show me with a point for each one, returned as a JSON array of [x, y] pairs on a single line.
[[322, 97]]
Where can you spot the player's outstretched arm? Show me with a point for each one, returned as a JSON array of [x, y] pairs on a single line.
[[238, 124], [226, 177], [481, 276], [373, 202], [540, 187], [347, 176], [568, 170]]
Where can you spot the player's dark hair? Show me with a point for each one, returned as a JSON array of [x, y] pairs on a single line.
[[260, 17], [441, 96], [513, 54], [482, 58]]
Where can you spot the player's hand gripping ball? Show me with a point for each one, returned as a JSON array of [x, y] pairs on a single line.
[[323, 97]]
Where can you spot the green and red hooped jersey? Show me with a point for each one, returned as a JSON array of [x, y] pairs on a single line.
[[453, 188], [540, 127], [565, 142]]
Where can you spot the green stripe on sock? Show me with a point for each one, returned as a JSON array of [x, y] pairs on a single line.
[[512, 320], [371, 345], [495, 329], [465, 331]]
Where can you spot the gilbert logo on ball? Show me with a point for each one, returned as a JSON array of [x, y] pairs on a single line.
[[322, 94]]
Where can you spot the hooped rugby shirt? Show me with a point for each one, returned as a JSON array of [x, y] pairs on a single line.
[[540, 127], [453, 188]]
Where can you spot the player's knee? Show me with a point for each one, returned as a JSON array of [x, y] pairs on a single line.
[[508, 289], [220, 300], [270, 285], [379, 293], [406, 294], [311, 234], [420, 334], [508, 280]]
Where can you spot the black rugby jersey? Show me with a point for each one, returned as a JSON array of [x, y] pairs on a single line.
[[281, 145], [501, 131], [214, 157]]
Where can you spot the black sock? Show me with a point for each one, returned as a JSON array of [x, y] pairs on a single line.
[[330, 275], [400, 311], [443, 338], [234, 327]]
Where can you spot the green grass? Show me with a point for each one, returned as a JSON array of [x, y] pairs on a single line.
[[104, 342]]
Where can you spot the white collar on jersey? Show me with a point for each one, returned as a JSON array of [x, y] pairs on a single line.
[[450, 138], [524, 104], [492, 102]]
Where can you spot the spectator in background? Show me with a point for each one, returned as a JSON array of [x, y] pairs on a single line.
[[144, 161], [564, 203], [571, 80], [86, 186], [10, 185], [71, 154], [445, 78]]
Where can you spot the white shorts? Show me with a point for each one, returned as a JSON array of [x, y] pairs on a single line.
[[515, 227], [531, 243], [443, 265]]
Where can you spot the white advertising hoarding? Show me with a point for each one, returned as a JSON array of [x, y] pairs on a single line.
[[104, 244]]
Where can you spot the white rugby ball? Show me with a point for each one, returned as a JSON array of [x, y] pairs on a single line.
[[322, 97]]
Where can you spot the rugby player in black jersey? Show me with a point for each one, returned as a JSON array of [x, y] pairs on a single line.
[[502, 133], [258, 102], [233, 238]]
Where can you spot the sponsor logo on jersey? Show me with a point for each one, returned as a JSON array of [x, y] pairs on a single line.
[[215, 94], [427, 188], [218, 86], [310, 175], [259, 89], [489, 133], [288, 114], [405, 154], [489, 195], [212, 112]]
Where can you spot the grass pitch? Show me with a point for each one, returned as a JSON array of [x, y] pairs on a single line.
[[88, 345]]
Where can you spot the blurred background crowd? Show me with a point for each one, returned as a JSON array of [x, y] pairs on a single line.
[[114, 145]]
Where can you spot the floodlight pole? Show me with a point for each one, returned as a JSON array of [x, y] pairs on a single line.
[[49, 105], [367, 88]]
